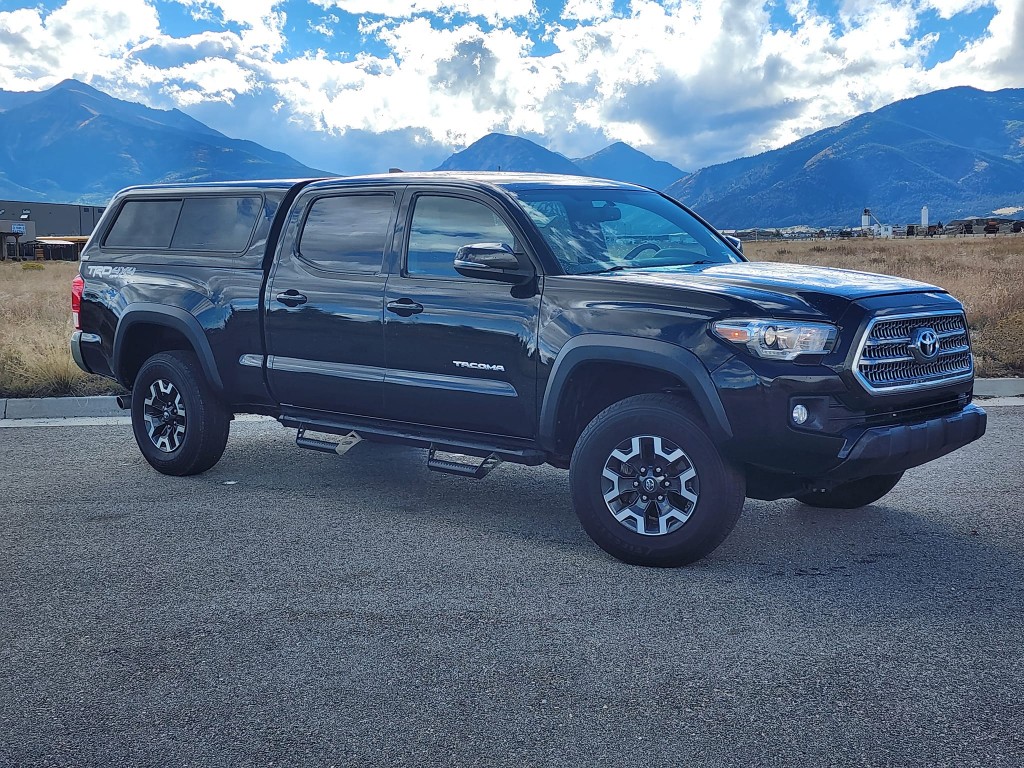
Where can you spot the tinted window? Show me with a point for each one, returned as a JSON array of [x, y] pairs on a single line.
[[216, 223], [144, 224], [592, 230], [347, 233], [442, 225]]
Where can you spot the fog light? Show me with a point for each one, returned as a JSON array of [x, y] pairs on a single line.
[[799, 414]]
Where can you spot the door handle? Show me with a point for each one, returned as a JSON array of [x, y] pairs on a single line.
[[291, 298], [405, 307]]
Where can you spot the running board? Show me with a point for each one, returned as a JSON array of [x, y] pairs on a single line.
[[475, 471], [375, 430]]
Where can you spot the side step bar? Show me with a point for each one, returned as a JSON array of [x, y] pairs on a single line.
[[327, 446], [353, 428], [475, 471], [324, 446], [451, 466]]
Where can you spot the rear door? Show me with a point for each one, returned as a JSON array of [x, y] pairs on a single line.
[[325, 301], [461, 352]]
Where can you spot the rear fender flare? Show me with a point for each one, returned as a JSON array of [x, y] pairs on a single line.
[[171, 317]]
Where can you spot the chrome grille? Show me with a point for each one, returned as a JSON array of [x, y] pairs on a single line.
[[885, 363]]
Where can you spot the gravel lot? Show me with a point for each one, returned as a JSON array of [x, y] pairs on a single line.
[[291, 608]]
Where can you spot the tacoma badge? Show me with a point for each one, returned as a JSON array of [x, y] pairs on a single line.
[[478, 366]]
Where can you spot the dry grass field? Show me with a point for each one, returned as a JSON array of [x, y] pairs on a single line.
[[35, 325], [987, 274]]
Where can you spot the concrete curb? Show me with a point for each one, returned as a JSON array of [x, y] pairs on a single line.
[[999, 387], [60, 407], [99, 407]]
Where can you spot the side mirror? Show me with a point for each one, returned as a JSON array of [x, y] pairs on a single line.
[[491, 261], [735, 241]]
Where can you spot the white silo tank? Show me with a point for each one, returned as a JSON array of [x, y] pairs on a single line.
[[865, 219], [924, 217]]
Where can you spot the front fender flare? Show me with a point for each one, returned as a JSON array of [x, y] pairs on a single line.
[[646, 353], [171, 317]]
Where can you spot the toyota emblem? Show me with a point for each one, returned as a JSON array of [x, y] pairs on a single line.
[[924, 345]]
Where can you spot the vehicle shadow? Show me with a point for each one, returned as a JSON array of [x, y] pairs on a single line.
[[922, 548]]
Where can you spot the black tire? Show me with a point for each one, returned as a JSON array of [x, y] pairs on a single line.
[[204, 423], [851, 495], [719, 493]]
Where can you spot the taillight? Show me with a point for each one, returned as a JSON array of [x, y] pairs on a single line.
[[77, 288]]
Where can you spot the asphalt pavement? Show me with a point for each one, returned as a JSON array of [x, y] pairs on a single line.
[[292, 608]]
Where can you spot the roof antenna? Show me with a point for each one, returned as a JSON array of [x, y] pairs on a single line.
[[395, 170]]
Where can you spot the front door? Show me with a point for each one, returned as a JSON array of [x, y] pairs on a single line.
[[324, 325], [461, 352]]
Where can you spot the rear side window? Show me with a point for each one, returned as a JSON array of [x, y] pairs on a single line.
[[144, 224], [216, 223], [222, 224], [347, 233]]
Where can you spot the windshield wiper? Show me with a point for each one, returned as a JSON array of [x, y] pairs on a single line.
[[619, 267]]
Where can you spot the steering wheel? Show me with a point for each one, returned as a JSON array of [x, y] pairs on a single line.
[[637, 250]]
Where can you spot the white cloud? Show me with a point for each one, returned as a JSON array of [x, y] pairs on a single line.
[[261, 21], [326, 25], [947, 9], [588, 10], [695, 81], [83, 39], [995, 60], [492, 11]]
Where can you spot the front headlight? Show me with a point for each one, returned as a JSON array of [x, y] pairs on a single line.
[[778, 339]]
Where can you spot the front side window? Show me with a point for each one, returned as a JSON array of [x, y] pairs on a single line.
[[348, 233], [594, 230], [442, 225]]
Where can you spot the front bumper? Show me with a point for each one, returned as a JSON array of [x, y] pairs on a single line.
[[895, 448], [848, 436], [860, 452]]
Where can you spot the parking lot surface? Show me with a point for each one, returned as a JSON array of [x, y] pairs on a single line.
[[291, 608]]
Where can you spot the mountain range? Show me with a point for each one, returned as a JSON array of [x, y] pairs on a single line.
[[959, 151], [73, 143], [619, 161]]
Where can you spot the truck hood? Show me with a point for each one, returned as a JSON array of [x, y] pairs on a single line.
[[777, 286]]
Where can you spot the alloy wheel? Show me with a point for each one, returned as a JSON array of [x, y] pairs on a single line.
[[164, 413], [650, 485]]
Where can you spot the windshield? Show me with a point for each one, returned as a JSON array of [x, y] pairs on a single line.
[[596, 230]]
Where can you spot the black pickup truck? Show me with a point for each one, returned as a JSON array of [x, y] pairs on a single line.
[[588, 324]]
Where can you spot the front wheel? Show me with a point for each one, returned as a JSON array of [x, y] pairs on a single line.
[[180, 425], [649, 485], [856, 493]]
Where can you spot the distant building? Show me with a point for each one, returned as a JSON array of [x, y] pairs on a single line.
[[21, 223], [983, 225]]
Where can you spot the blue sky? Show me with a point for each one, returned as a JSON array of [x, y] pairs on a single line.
[[360, 85]]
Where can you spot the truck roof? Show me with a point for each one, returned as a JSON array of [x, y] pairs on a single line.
[[508, 180]]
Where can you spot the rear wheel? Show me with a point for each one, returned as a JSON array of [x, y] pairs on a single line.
[[649, 485], [179, 424], [856, 493]]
